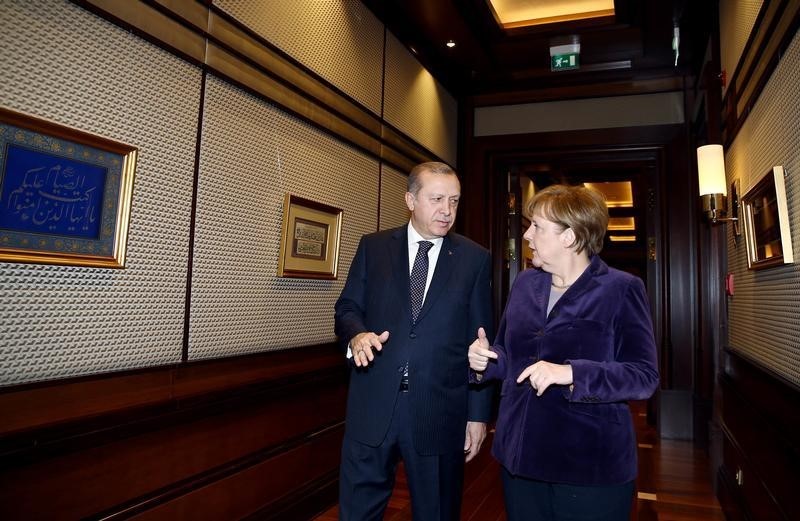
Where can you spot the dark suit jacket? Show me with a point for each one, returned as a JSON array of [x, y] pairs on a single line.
[[376, 298], [602, 327]]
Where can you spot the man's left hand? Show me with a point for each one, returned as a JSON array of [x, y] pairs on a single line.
[[476, 433]]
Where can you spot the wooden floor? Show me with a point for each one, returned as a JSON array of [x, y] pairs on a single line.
[[674, 484]]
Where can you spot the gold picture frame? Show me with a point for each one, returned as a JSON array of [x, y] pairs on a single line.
[[310, 238], [765, 211], [65, 194]]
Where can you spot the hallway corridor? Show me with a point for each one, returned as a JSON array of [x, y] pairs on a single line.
[[674, 484]]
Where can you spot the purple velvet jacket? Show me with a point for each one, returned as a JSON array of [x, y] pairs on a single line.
[[602, 327]]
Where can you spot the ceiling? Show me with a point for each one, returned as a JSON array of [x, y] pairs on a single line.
[[629, 51], [632, 45], [523, 13]]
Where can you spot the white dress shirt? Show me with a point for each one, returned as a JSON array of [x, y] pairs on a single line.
[[413, 246]]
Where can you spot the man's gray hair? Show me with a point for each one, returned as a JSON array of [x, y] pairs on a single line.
[[434, 167]]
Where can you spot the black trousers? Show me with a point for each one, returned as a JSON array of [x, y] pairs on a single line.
[[531, 500], [367, 475]]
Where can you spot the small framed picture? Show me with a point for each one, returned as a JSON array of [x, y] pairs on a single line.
[[766, 222], [310, 239], [65, 194]]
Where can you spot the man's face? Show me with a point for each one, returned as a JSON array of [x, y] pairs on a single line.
[[433, 208]]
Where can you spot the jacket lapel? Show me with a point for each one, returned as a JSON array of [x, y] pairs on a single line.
[[585, 282], [398, 253]]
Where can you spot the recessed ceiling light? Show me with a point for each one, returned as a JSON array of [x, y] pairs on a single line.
[[523, 13], [450, 43]]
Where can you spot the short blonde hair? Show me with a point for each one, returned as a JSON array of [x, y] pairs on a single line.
[[577, 207]]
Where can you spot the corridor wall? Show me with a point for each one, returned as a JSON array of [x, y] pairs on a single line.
[[195, 381], [758, 382]]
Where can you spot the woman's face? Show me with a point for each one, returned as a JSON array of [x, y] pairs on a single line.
[[547, 242]]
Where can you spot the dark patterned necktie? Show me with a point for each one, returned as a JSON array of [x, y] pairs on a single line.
[[419, 276]]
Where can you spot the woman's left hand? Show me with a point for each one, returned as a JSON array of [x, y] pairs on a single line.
[[544, 374]]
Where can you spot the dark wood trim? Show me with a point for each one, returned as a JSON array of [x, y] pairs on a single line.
[[484, 150], [761, 431], [79, 434], [187, 310], [157, 26], [304, 503], [774, 29], [211, 39], [207, 491], [180, 438], [46, 404], [583, 91], [729, 499]]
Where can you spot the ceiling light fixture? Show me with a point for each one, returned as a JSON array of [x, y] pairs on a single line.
[[450, 44]]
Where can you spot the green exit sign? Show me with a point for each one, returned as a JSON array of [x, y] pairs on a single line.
[[564, 62]]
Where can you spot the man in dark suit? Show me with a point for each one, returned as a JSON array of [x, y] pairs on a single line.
[[414, 297]]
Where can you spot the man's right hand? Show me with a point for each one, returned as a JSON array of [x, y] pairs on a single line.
[[362, 346], [480, 353]]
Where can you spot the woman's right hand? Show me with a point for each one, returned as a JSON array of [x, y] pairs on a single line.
[[480, 352]]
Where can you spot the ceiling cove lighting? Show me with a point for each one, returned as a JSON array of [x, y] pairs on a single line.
[[621, 224], [523, 13], [618, 194]]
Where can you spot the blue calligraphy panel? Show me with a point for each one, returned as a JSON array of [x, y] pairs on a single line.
[[50, 194]]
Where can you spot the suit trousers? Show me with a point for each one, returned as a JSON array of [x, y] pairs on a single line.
[[367, 475], [532, 500]]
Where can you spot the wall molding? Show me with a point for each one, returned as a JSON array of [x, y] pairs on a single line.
[[150, 443], [206, 36], [761, 441], [774, 29]]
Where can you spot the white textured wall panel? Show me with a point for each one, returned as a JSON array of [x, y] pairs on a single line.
[[60, 62], [736, 21], [341, 40], [765, 311], [416, 104], [252, 154], [394, 211]]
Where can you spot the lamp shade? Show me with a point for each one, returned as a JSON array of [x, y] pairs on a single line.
[[711, 170]]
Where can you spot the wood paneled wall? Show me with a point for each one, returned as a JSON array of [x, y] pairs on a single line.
[[252, 436], [761, 443], [757, 409]]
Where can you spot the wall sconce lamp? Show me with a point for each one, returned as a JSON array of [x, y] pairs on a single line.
[[713, 192]]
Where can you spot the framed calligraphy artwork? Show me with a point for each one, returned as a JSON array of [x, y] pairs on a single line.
[[65, 194], [310, 239]]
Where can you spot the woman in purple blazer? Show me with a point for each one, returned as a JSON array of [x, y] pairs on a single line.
[[574, 345]]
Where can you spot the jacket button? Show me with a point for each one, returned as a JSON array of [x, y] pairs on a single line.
[[412, 335]]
